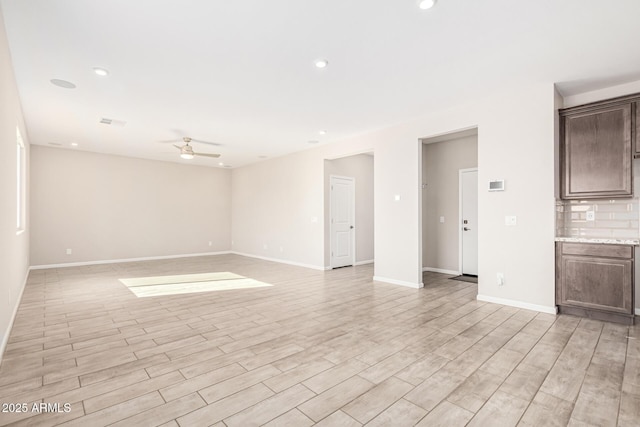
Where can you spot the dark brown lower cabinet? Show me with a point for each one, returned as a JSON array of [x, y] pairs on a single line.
[[595, 281]]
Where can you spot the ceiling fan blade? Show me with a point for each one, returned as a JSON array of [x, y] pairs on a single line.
[[206, 142], [169, 141], [207, 155], [178, 147]]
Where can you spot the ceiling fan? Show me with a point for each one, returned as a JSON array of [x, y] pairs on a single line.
[[186, 151]]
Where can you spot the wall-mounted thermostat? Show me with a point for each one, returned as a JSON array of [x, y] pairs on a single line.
[[496, 185]]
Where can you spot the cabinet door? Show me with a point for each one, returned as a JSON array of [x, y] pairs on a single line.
[[636, 127], [597, 283], [597, 153]]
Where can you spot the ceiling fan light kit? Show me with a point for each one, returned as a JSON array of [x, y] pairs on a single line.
[[187, 153], [426, 4]]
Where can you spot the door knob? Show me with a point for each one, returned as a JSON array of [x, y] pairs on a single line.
[[466, 229], [351, 227]]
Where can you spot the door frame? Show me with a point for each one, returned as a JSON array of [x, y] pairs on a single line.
[[460, 172], [353, 219]]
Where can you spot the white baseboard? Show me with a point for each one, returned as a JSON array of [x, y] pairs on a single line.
[[116, 261], [518, 304], [282, 261], [368, 261], [398, 282], [441, 270], [5, 339]]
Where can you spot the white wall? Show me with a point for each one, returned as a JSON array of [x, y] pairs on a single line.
[[107, 207], [602, 94], [277, 209], [14, 248], [441, 163], [515, 143], [359, 167]]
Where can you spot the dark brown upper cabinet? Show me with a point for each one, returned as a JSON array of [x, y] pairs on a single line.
[[597, 149]]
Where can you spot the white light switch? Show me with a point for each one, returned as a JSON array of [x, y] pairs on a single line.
[[314, 219], [69, 251], [510, 220], [442, 219], [397, 197]]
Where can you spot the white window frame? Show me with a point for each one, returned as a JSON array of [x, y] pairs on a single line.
[[21, 164]]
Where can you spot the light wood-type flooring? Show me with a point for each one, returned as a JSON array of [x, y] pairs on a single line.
[[328, 348]]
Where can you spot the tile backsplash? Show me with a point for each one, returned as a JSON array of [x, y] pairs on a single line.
[[598, 218]]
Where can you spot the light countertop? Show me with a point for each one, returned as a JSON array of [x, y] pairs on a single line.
[[606, 241]]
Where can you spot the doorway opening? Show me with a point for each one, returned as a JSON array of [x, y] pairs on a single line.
[[349, 220], [449, 204]]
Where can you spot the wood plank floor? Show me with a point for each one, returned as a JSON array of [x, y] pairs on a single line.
[[328, 348]]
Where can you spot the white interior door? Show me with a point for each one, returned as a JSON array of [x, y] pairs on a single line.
[[469, 221], [342, 221]]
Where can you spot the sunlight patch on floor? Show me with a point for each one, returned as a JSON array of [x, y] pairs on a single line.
[[189, 284]]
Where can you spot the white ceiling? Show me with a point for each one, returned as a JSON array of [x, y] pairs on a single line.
[[241, 73]]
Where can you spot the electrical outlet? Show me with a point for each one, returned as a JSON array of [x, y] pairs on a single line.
[[500, 279], [210, 243], [510, 220], [591, 216], [69, 251], [265, 246], [281, 249], [441, 219]]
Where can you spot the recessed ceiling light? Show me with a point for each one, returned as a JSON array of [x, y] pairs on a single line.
[[321, 63], [322, 132], [74, 144], [100, 71], [63, 83], [313, 142], [426, 4]]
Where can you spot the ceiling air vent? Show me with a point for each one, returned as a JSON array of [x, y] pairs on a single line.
[[113, 122]]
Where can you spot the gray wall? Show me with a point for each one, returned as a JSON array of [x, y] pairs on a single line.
[[359, 167], [14, 247], [107, 207], [441, 162]]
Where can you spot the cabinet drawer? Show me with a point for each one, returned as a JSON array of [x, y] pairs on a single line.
[[597, 250]]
